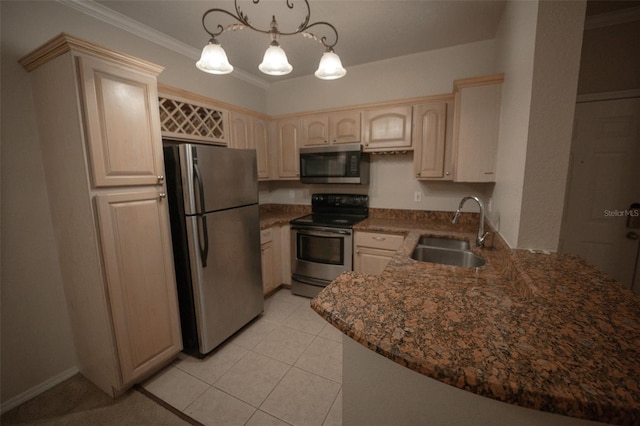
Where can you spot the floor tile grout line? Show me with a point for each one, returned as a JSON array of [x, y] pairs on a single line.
[[300, 306], [332, 404]]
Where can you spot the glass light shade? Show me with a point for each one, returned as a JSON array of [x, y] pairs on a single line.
[[275, 61], [330, 67], [214, 60]]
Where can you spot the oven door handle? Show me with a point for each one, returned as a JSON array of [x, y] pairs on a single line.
[[310, 280], [320, 232]]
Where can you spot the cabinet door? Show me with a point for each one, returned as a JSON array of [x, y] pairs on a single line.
[[429, 135], [387, 129], [267, 267], [345, 127], [285, 249], [315, 130], [138, 260], [371, 261], [477, 119], [261, 142], [122, 124], [241, 131], [288, 137]]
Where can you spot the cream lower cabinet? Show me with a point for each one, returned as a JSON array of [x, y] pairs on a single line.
[[373, 251], [276, 257], [98, 121], [136, 248], [270, 256], [285, 250]]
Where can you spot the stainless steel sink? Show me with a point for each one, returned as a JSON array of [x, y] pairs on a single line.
[[446, 243], [464, 259]]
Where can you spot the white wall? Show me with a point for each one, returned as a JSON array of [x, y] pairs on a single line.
[[539, 51], [421, 74], [515, 47], [555, 82], [392, 182], [36, 338]]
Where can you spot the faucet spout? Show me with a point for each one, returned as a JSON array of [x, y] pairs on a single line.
[[481, 234]]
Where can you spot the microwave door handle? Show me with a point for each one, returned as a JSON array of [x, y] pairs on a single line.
[[204, 245]]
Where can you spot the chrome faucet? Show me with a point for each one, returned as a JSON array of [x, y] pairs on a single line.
[[481, 234]]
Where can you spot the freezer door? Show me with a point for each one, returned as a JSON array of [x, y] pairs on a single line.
[[228, 290], [217, 178]]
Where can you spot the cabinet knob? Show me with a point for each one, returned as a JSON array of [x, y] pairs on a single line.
[[160, 178], [448, 173], [417, 173], [162, 195]]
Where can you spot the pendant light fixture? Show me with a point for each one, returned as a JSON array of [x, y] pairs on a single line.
[[214, 59]]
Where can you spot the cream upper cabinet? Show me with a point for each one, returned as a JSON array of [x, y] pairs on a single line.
[[136, 247], [122, 124], [475, 128], [241, 130], [288, 140], [261, 142], [315, 130], [98, 123], [387, 128], [345, 127], [248, 132], [373, 251], [325, 129], [432, 140]]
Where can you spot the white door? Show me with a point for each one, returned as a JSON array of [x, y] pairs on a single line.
[[600, 218]]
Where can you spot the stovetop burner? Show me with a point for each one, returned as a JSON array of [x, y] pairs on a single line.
[[335, 210], [328, 220]]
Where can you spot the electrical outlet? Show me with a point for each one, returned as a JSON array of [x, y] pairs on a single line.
[[292, 194], [417, 196]]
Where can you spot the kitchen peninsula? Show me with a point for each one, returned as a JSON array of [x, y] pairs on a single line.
[[549, 335]]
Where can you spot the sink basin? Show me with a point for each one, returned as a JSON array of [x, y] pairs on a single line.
[[464, 259], [446, 243]]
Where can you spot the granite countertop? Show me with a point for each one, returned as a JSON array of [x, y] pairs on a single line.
[[543, 331], [280, 214]]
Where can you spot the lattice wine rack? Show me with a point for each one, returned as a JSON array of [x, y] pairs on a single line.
[[185, 120]]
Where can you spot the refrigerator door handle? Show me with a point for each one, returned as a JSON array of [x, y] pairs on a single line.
[[204, 248]]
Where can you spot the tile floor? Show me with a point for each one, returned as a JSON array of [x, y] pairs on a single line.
[[283, 369]]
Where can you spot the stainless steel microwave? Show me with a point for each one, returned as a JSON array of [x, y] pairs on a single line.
[[334, 164]]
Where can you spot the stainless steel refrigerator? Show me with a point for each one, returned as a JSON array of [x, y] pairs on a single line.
[[215, 227]]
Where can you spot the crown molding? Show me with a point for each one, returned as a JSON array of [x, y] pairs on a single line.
[[621, 16], [104, 14]]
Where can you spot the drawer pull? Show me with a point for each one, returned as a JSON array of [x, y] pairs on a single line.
[[379, 238]]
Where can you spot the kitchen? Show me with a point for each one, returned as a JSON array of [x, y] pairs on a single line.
[[393, 186]]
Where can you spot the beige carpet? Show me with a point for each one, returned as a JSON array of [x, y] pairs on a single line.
[[77, 401]]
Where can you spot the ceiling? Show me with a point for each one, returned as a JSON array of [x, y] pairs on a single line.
[[369, 30]]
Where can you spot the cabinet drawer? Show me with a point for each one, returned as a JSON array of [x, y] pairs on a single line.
[[378, 240], [265, 236]]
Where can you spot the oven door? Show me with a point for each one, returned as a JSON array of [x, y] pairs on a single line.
[[321, 253]]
